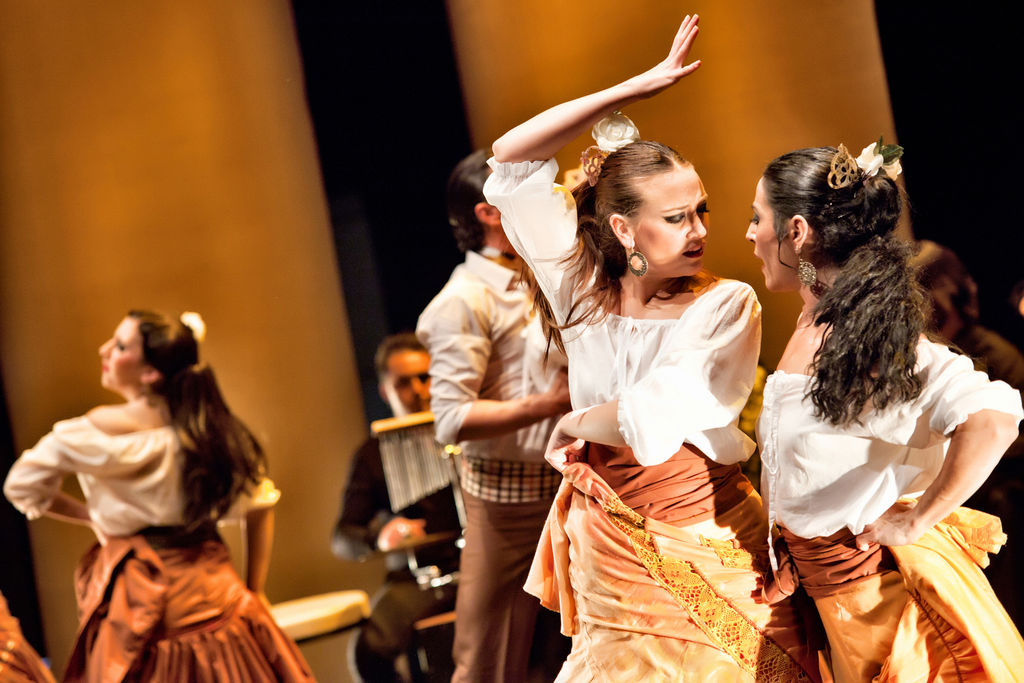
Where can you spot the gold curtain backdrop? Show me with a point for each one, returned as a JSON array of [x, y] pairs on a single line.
[[775, 76]]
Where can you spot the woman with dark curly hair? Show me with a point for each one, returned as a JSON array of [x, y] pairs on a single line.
[[158, 598], [873, 436]]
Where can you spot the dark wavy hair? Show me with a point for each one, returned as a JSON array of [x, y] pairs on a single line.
[[873, 312], [599, 257], [464, 191], [222, 457]]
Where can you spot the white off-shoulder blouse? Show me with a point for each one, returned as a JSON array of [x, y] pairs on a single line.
[[819, 478], [677, 381], [130, 481]]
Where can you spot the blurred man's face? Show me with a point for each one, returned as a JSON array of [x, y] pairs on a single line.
[[406, 385]]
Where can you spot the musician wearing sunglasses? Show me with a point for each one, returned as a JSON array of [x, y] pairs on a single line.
[[366, 523]]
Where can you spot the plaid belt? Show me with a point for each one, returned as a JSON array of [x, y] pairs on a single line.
[[506, 481]]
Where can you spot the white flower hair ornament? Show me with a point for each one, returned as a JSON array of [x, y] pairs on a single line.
[[614, 132], [877, 156], [611, 134], [845, 170], [194, 322]]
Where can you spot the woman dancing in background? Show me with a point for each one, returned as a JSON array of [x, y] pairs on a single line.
[[158, 599], [652, 545], [863, 415]]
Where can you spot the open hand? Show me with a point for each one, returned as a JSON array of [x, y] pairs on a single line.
[[673, 68]]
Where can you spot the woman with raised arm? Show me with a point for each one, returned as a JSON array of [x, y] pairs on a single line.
[[158, 598], [872, 436], [653, 545]]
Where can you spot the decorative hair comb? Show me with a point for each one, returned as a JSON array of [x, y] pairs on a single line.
[[844, 170]]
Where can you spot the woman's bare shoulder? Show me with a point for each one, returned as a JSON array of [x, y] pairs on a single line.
[[124, 418]]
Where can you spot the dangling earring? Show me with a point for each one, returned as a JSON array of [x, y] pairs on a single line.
[[806, 272], [639, 270]]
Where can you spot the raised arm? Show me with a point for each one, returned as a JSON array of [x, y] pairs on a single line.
[[543, 135]]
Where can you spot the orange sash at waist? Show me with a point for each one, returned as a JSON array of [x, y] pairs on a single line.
[[688, 487], [829, 564]]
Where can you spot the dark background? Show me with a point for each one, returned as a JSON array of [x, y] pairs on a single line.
[[387, 111], [954, 81]]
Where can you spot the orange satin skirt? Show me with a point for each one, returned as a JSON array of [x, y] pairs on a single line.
[[646, 600], [934, 618], [174, 614]]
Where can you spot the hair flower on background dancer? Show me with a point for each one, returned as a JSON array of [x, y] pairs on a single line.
[[651, 549], [194, 322]]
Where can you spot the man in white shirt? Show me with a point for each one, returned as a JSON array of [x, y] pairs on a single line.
[[494, 393]]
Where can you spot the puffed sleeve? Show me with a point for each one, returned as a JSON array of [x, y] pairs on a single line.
[[456, 333], [699, 384], [539, 217], [952, 390], [35, 478]]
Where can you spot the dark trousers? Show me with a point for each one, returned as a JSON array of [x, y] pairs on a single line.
[[387, 633]]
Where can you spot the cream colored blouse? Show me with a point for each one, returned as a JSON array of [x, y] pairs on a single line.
[[130, 481]]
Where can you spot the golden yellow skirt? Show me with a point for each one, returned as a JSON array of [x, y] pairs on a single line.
[[936, 619], [644, 600]]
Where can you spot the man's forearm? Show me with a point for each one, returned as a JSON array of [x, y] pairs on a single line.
[[487, 418]]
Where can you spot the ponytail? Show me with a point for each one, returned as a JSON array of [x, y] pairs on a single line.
[[873, 315], [222, 458]]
